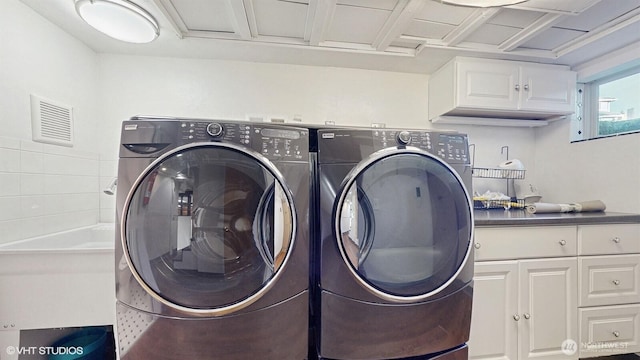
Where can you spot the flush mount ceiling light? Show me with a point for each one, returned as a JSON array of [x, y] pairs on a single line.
[[481, 3], [119, 19]]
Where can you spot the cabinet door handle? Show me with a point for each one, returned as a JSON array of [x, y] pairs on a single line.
[[526, 316], [516, 317], [517, 87], [526, 87], [616, 282], [616, 333], [562, 242], [616, 240], [477, 245]]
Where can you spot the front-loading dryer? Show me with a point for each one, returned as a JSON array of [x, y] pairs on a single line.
[[393, 261], [212, 246]]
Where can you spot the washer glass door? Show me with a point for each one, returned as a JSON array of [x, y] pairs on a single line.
[[403, 223], [207, 227]]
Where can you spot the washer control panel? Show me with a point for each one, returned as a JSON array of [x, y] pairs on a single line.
[[451, 147], [275, 142]]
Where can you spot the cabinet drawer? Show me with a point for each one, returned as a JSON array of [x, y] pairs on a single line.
[[609, 239], [524, 242], [609, 330], [609, 280]]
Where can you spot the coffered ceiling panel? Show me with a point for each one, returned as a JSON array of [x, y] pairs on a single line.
[[372, 4], [354, 24], [492, 34], [437, 12], [598, 15], [428, 29], [280, 18], [560, 6], [204, 15], [405, 35], [552, 38], [515, 18]]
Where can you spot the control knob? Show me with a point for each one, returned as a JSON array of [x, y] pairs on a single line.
[[215, 129], [404, 137]]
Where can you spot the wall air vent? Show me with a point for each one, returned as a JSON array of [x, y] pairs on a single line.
[[51, 122]]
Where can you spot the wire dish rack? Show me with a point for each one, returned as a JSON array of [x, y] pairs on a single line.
[[507, 202], [498, 204], [497, 173]]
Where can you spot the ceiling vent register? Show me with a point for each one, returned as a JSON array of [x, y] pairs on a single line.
[[51, 122]]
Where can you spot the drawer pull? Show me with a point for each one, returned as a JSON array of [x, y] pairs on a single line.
[[616, 282], [526, 316], [616, 333], [562, 242], [516, 317], [477, 245], [616, 240]]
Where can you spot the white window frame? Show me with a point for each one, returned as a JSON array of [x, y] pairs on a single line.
[[587, 106]]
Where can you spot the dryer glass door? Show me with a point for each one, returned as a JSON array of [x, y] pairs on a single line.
[[403, 223], [207, 227]]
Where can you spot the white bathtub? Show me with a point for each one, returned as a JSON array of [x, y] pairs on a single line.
[[64, 279], [97, 237]]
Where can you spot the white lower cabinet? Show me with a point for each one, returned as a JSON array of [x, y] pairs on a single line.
[[524, 309], [609, 285], [525, 293], [556, 292]]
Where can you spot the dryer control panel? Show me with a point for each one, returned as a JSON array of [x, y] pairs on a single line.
[[451, 147]]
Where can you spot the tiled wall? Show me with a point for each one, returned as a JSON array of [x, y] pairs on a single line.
[[46, 189]]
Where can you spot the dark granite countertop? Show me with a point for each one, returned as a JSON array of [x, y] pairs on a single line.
[[523, 218]]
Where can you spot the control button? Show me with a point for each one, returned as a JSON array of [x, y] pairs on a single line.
[[404, 137], [215, 129]]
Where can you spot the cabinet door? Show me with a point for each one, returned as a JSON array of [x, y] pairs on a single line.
[[548, 307], [547, 90], [495, 296], [487, 85]]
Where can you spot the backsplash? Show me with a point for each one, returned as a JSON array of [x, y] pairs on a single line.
[[46, 188]]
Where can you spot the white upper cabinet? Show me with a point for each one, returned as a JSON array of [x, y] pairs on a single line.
[[547, 89], [501, 89]]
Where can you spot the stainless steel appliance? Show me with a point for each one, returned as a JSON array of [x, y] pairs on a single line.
[[392, 256], [212, 251]]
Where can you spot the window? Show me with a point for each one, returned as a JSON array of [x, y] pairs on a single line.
[[608, 106]]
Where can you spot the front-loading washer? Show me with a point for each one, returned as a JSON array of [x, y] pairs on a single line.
[[212, 245], [393, 263]]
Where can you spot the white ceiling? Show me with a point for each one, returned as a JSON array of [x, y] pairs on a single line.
[[397, 35]]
